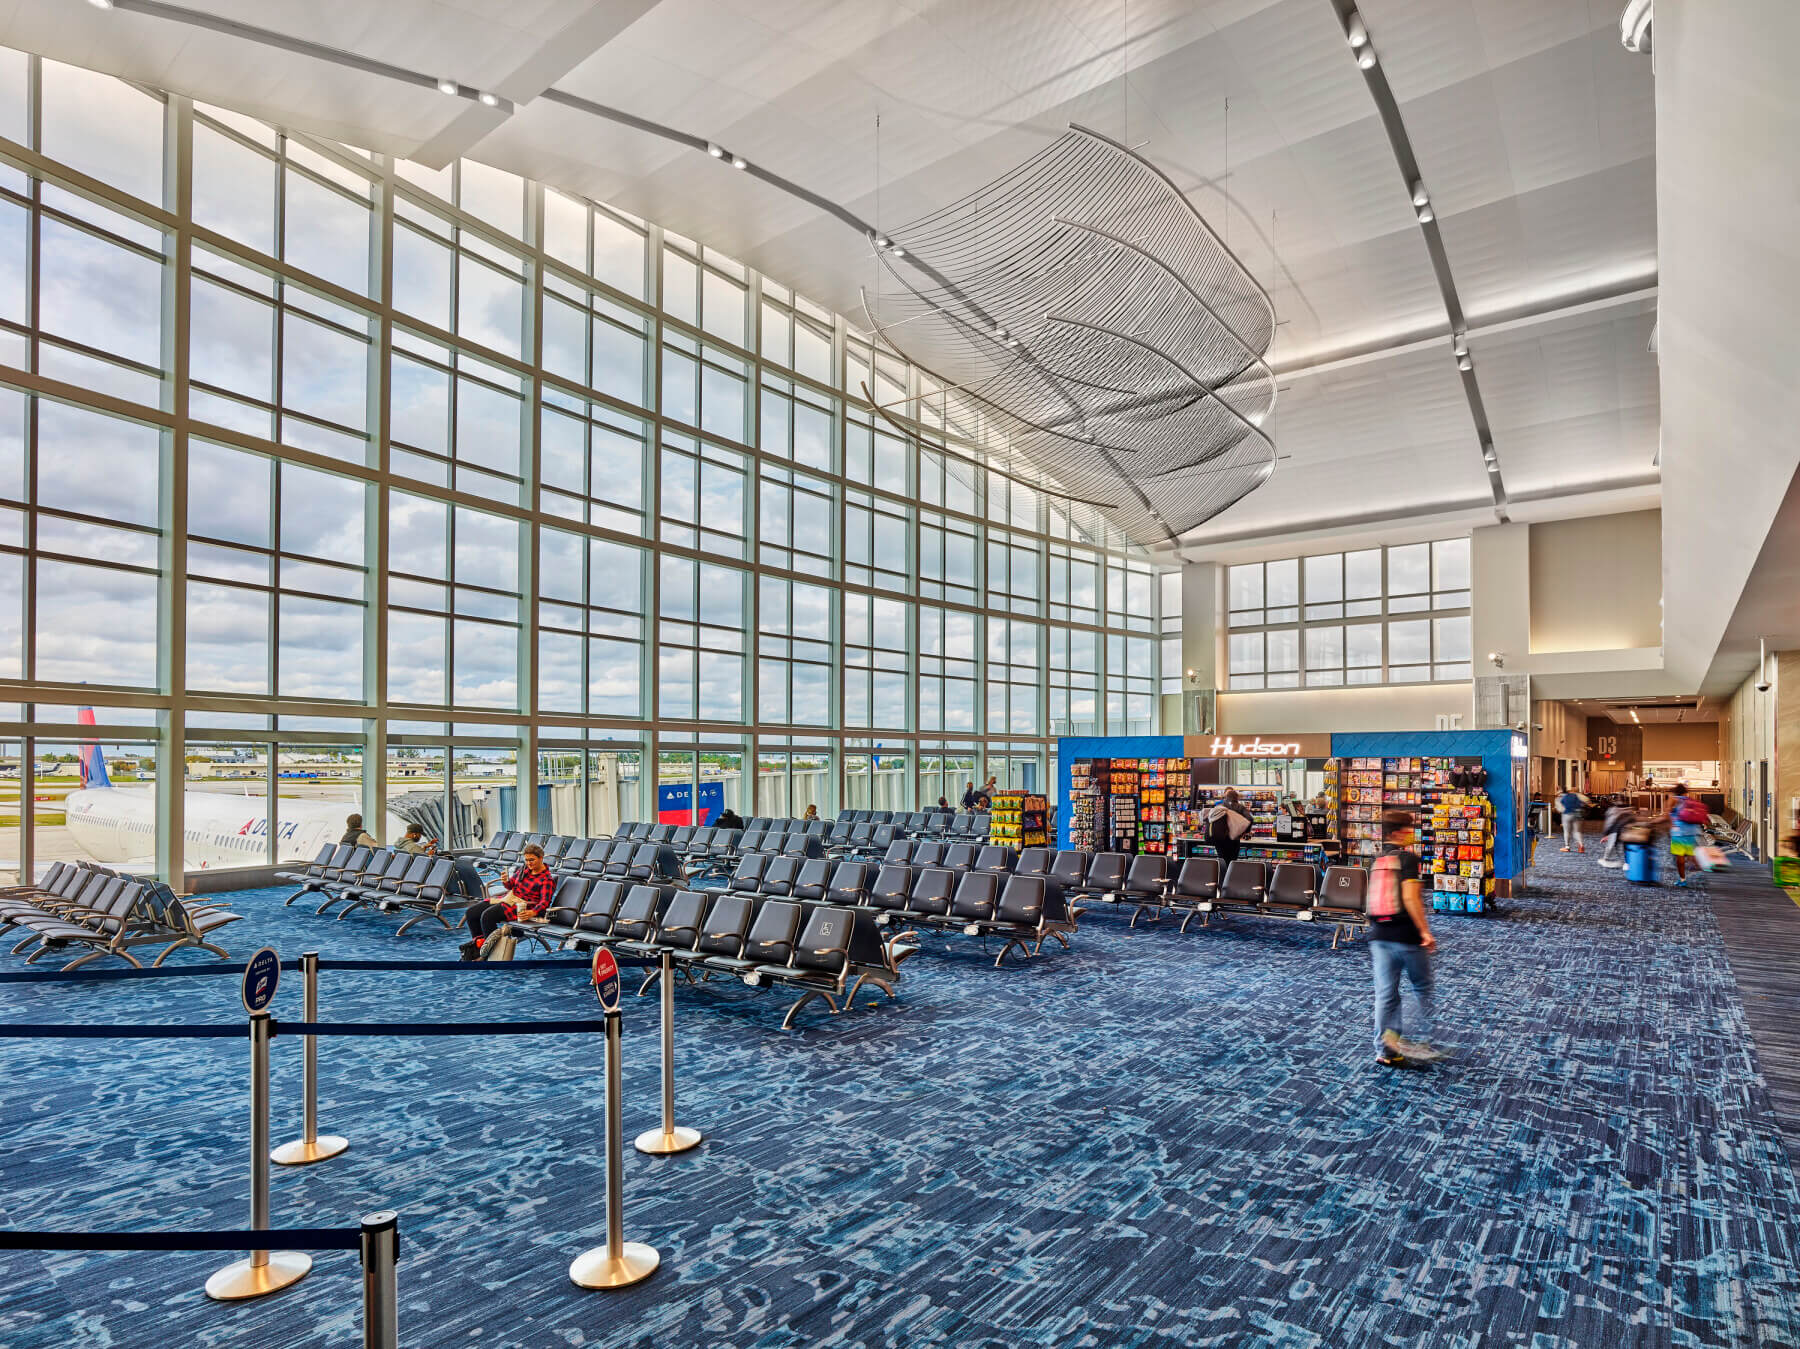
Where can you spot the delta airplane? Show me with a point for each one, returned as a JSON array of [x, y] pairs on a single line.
[[118, 824]]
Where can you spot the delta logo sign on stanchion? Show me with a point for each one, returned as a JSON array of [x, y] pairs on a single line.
[[606, 980], [261, 977]]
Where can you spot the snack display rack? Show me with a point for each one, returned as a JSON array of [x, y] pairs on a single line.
[[1016, 819], [1456, 846]]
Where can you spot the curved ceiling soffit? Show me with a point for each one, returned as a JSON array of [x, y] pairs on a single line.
[[1115, 344], [1137, 382]]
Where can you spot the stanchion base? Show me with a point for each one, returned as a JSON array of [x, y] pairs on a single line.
[[300, 1152], [241, 1279], [595, 1269], [678, 1139]]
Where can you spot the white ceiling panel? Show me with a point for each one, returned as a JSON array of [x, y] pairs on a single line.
[[1533, 129]]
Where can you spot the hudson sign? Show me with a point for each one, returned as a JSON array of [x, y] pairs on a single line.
[[1258, 747]]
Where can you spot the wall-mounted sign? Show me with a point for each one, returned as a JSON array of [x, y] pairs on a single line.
[[1258, 746]]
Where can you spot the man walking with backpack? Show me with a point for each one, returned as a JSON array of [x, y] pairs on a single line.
[[1688, 815], [1400, 942]]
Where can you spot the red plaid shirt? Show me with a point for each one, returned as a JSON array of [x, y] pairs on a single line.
[[532, 890]]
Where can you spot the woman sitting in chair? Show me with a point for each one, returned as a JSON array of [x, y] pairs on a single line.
[[526, 897]]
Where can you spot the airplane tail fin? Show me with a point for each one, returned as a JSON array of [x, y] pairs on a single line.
[[93, 762]]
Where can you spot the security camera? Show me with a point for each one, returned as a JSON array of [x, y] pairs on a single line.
[[1763, 686], [1537, 725]]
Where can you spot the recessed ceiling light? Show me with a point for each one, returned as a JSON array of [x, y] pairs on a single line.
[[488, 100], [1464, 363], [446, 85], [715, 150], [739, 162]]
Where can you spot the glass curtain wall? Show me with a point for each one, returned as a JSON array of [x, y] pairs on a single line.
[[491, 497]]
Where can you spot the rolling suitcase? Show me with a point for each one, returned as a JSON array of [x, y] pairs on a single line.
[[1640, 864]]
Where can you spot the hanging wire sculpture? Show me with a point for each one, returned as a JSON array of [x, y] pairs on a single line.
[[1110, 344]]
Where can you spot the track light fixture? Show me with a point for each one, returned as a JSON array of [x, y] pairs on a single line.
[[1420, 196], [1367, 59], [488, 100], [716, 151], [1460, 344], [899, 252], [739, 162], [101, 4], [1357, 32], [446, 85], [882, 241], [1465, 362], [1426, 214]]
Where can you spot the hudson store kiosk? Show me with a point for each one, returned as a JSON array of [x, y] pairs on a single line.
[[1146, 794]]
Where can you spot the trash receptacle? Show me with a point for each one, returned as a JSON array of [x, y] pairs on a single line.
[[1640, 863]]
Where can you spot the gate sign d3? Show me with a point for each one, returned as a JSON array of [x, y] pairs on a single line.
[[261, 976], [606, 980]]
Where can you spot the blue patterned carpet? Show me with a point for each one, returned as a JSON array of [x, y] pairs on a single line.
[[1152, 1140]]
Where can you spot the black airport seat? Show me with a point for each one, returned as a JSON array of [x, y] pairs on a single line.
[[1292, 889], [899, 853], [1343, 900], [1106, 873], [1035, 862], [1194, 887], [576, 898], [891, 888], [997, 857], [813, 880], [930, 895], [569, 860], [962, 826], [1245, 885], [780, 874], [747, 876], [1068, 870], [926, 853], [849, 884], [977, 895], [959, 857], [639, 831], [681, 837], [1144, 883], [618, 858]]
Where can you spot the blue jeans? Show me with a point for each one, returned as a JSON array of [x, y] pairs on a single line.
[[1390, 958]]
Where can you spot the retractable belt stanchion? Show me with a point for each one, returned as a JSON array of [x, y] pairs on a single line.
[[264, 1271], [380, 1253], [309, 1147], [671, 1137], [619, 1263]]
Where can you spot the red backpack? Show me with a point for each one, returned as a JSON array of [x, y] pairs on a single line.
[[1690, 810]]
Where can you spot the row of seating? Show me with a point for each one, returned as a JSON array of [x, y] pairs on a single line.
[[825, 950], [957, 887], [1287, 890], [929, 823], [83, 906], [384, 879], [697, 849]]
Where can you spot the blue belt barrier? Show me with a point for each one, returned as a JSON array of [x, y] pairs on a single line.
[[168, 972], [285, 1238], [51, 1031], [469, 965], [437, 1028]]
